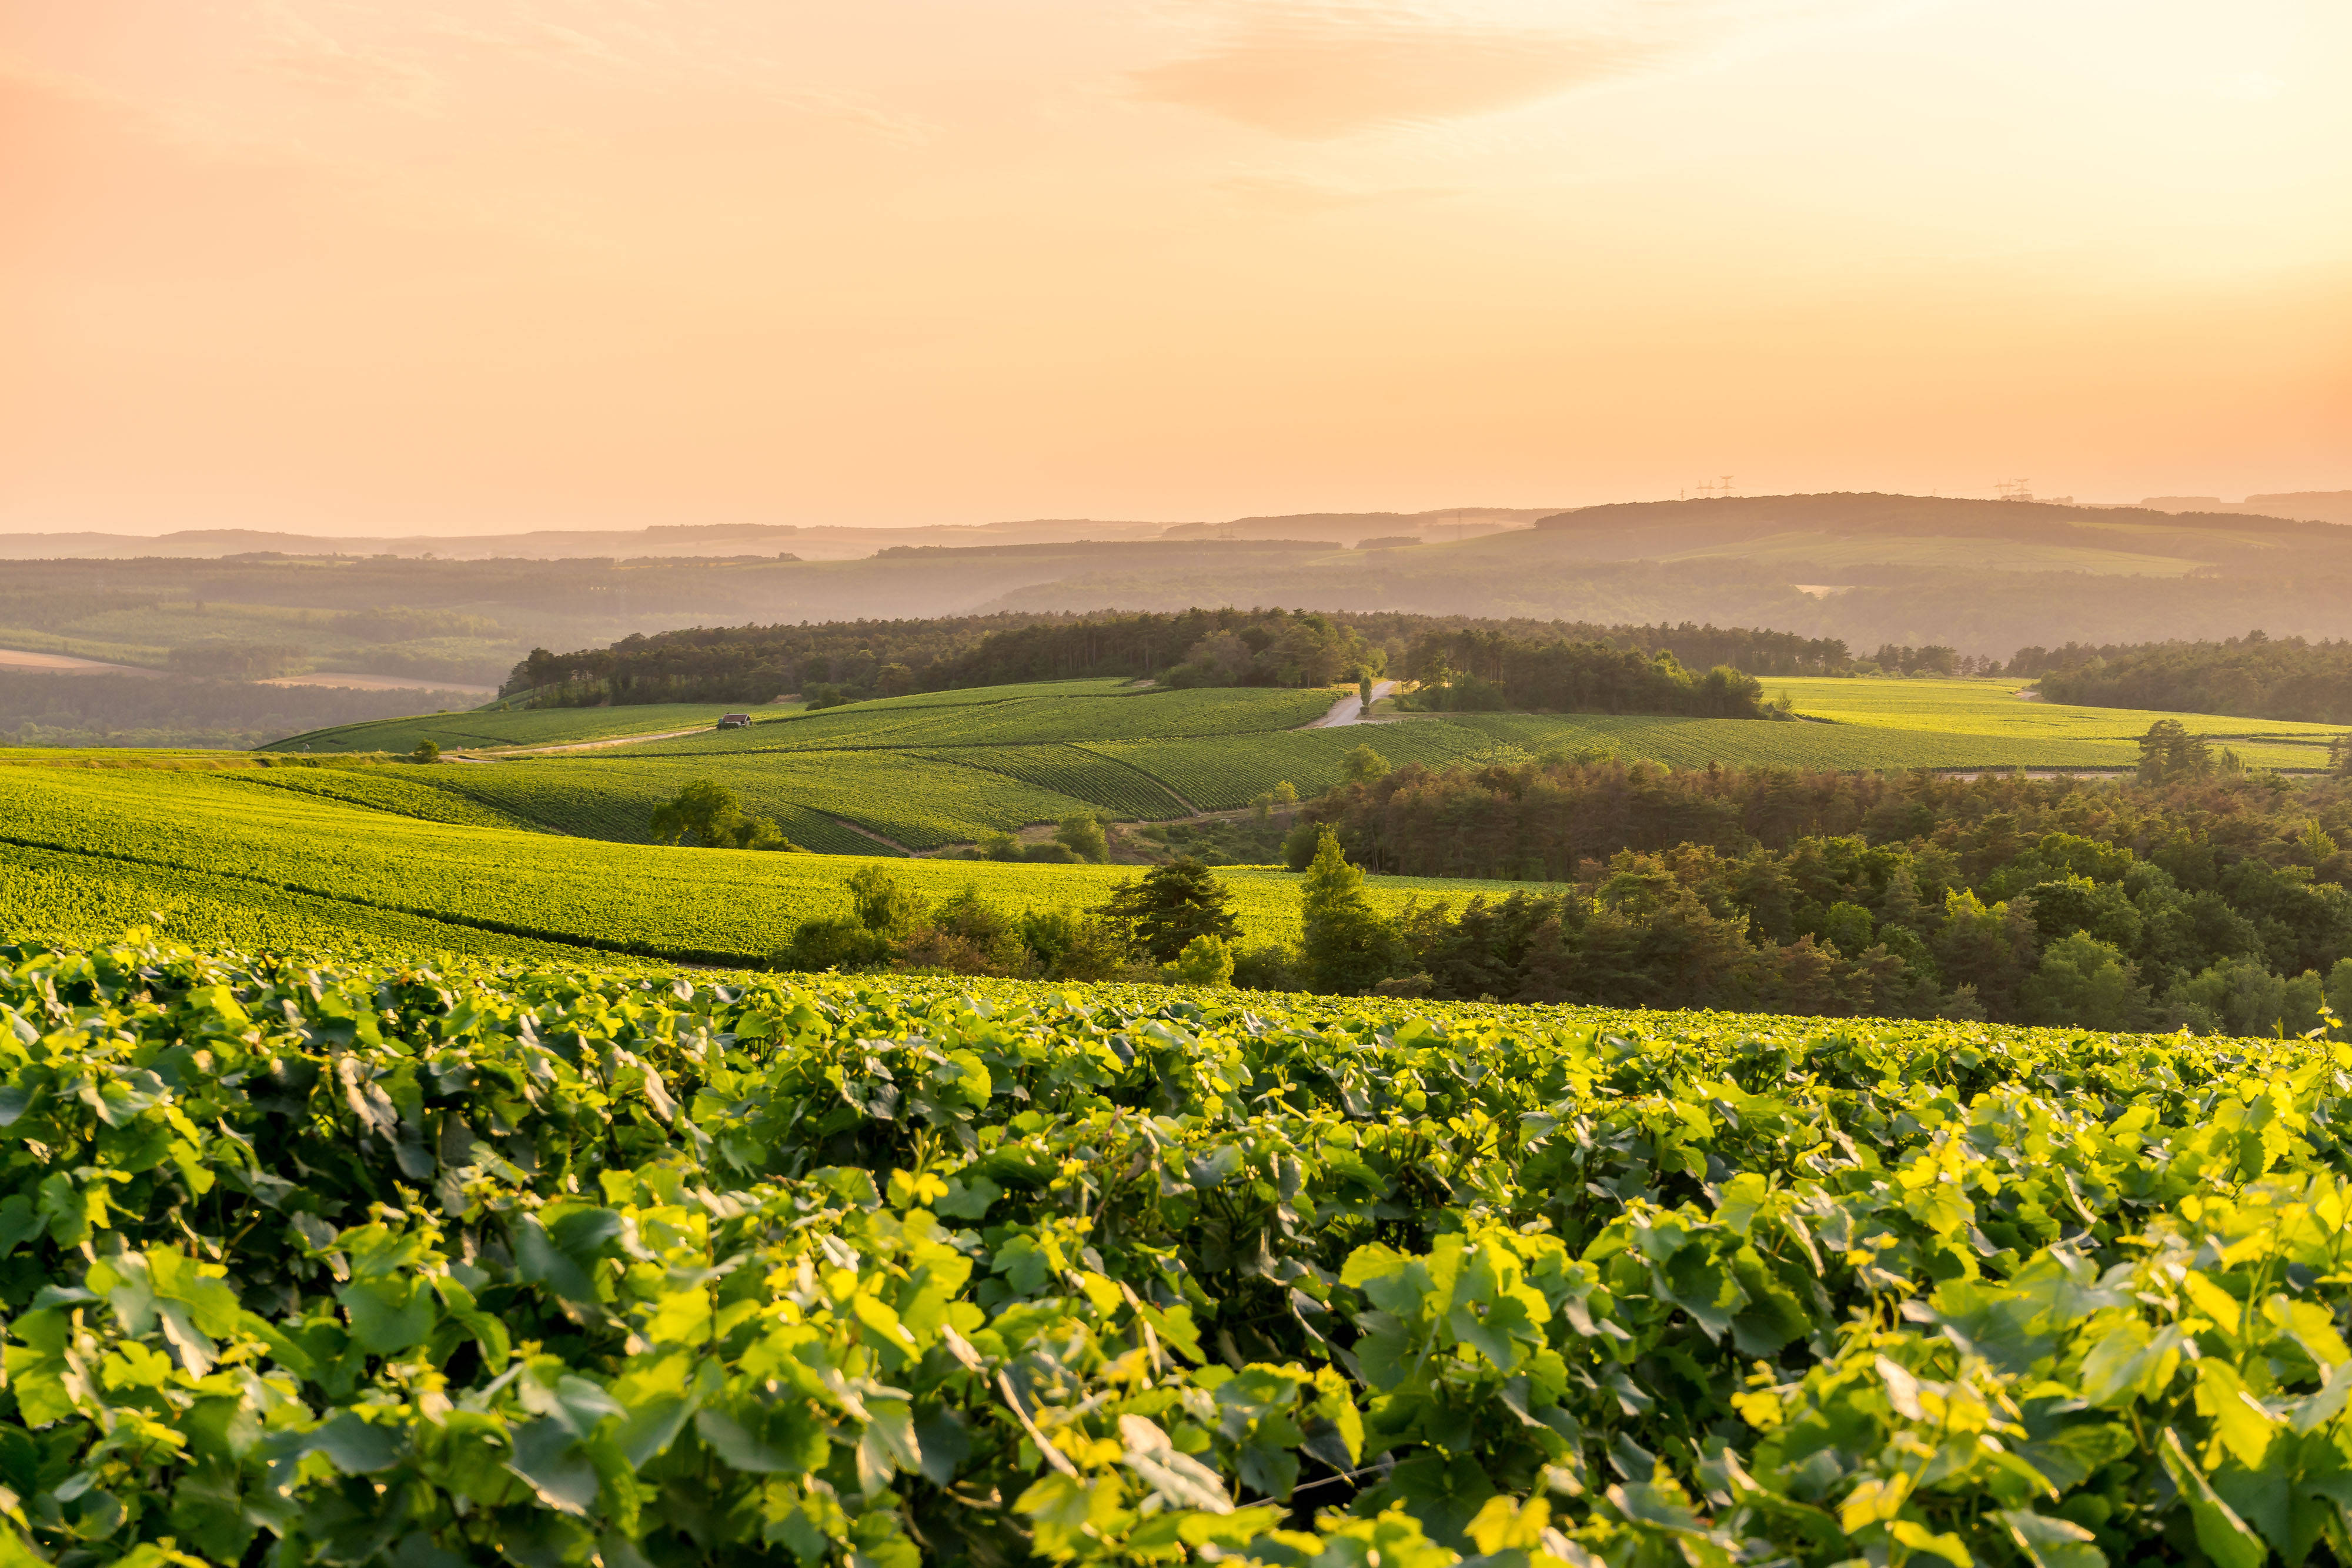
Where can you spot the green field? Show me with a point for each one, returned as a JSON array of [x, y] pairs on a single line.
[[524, 727], [1993, 709], [70, 897], [554, 1262], [911, 800], [255, 845], [935, 770], [1018, 715]]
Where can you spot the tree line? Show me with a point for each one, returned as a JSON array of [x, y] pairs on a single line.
[[855, 660], [2254, 676], [2190, 897], [1475, 669]]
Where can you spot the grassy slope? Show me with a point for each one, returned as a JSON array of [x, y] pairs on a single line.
[[529, 727], [61, 896], [709, 905], [940, 768], [1991, 710]]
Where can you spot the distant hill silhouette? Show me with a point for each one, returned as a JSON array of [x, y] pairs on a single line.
[[2311, 506]]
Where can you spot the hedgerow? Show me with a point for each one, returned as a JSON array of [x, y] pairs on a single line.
[[325, 1263]]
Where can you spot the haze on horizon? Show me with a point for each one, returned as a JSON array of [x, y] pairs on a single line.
[[487, 266]]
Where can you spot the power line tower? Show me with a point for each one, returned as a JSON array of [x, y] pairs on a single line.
[[2012, 489]]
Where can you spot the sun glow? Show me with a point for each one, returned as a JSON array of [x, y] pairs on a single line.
[[477, 265]]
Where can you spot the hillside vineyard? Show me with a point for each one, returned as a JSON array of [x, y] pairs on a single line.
[[314, 1261]]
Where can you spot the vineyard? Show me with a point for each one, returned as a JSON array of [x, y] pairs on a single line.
[[945, 767], [323, 1261], [1077, 771], [907, 798], [526, 726], [1991, 710], [398, 792], [61, 895], [1039, 718], [267, 847]]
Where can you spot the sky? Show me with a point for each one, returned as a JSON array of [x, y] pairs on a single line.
[[474, 265]]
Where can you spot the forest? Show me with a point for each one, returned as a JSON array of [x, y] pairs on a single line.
[[1481, 670], [2216, 904], [2190, 896], [1191, 647], [2255, 675]]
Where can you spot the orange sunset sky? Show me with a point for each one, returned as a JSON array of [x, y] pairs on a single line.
[[465, 265]]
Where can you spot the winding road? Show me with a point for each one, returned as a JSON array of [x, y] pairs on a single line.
[[1350, 709]]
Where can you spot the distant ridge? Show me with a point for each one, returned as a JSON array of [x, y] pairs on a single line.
[[1875, 512], [2307, 506]]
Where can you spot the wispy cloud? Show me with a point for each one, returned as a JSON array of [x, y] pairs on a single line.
[[1315, 70]]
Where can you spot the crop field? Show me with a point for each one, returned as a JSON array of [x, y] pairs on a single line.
[[160, 758], [1220, 776], [61, 896], [1075, 771], [1696, 742], [909, 800], [1993, 710], [403, 791], [716, 907], [939, 768], [1040, 718], [547, 1262], [526, 726]]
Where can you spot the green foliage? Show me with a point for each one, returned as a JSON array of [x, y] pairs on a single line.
[[1068, 946], [1344, 944], [1205, 961], [2253, 676], [708, 815], [831, 942], [1301, 844], [883, 903], [1170, 906], [1364, 765], [486, 730], [2168, 753], [2085, 982], [283, 852], [385, 1265], [426, 751], [1082, 833], [1480, 668]]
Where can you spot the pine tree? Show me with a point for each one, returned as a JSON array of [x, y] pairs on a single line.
[[1348, 947], [1172, 907], [1900, 904]]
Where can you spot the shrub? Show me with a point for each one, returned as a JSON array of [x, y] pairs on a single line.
[[1268, 967], [1067, 946], [1205, 961], [708, 815], [882, 904], [832, 942], [1084, 834]]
